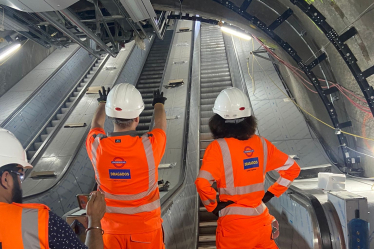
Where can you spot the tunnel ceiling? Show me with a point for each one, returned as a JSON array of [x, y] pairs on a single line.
[[339, 34]]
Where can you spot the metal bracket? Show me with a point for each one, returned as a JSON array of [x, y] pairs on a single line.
[[245, 5], [314, 63], [345, 124], [348, 34], [331, 90], [281, 19]]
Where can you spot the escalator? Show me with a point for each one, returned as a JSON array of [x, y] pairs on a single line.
[[60, 115], [151, 78], [214, 77]]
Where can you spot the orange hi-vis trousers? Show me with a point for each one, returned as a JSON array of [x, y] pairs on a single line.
[[151, 240], [243, 233]]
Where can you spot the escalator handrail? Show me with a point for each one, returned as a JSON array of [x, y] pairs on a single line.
[[35, 92], [317, 208]]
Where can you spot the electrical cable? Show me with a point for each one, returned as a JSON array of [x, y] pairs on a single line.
[[339, 87], [319, 120]]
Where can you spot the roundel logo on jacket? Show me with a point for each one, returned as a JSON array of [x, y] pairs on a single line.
[[118, 162], [248, 151]]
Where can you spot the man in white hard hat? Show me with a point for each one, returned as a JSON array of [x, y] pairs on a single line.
[[238, 161], [125, 167], [34, 225]]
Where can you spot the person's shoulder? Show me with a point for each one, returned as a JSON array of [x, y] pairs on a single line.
[[159, 133]]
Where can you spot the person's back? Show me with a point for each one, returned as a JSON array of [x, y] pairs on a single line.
[[127, 170], [237, 160], [125, 167]]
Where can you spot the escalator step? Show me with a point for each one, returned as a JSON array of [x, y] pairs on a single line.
[[55, 122], [30, 154], [204, 129], [215, 70], [207, 101], [43, 137], [37, 145], [145, 119], [209, 95], [151, 76], [204, 121], [144, 85], [148, 90], [215, 75], [212, 89], [146, 113], [216, 83], [204, 144]]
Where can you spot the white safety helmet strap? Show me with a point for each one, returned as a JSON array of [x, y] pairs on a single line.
[[11, 150]]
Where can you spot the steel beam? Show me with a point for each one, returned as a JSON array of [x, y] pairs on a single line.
[[46, 16], [75, 21]]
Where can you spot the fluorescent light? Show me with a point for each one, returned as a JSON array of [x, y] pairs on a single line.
[[9, 51], [236, 33]]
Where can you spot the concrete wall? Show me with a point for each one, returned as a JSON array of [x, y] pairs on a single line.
[[21, 63]]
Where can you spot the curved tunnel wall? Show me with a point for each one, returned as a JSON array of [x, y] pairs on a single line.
[[308, 40]]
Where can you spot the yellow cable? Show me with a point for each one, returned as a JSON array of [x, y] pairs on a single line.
[[354, 135], [9, 56]]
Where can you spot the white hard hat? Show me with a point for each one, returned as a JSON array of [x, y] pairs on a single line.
[[11, 150], [124, 101], [232, 103]]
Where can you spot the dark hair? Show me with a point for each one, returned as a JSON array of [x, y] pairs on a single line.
[[241, 131], [123, 123]]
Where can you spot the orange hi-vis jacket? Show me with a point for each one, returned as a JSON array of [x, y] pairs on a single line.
[[126, 171], [239, 168], [24, 226]]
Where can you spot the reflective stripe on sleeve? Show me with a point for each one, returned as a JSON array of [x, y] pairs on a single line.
[[287, 165], [134, 210], [265, 148], [284, 182], [94, 147], [30, 236], [206, 175], [208, 202], [246, 211]]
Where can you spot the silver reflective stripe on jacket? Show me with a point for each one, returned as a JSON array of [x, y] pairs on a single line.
[[152, 186], [134, 210], [94, 147], [30, 232], [246, 211], [229, 175], [265, 148], [206, 175]]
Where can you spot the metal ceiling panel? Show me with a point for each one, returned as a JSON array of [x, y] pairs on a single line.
[[38, 5]]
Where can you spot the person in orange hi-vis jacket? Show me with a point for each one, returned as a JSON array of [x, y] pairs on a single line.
[[237, 160], [125, 167]]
